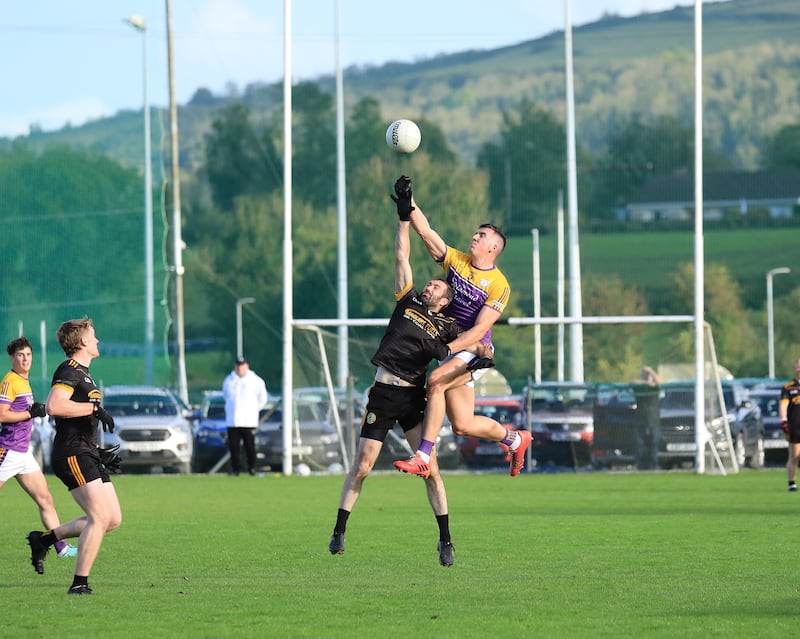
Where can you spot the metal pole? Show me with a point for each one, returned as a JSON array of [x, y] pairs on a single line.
[[288, 308], [560, 284], [575, 302], [239, 303], [699, 251], [537, 309], [177, 244], [343, 359], [140, 24], [770, 319]]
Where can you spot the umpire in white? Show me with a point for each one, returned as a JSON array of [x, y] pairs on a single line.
[[245, 395]]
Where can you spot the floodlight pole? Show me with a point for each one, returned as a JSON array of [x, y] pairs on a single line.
[[177, 241], [140, 24]]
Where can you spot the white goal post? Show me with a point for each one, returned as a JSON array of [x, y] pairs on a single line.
[[708, 442]]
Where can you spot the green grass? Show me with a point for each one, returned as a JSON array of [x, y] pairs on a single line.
[[568, 555]]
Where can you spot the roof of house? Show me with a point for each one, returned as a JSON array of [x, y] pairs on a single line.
[[731, 186]]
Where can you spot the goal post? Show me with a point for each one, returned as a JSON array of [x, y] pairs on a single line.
[[714, 448]]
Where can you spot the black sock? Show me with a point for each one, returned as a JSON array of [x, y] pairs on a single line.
[[48, 539], [80, 581], [341, 521], [444, 527]]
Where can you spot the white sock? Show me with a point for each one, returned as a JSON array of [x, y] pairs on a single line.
[[517, 442], [425, 456]]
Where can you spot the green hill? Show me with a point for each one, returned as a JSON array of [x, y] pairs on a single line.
[[641, 64]]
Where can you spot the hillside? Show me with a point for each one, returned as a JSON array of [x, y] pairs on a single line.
[[642, 64]]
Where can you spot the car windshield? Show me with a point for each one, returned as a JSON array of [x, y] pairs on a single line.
[[505, 414], [214, 409], [768, 405], [562, 398], [678, 398], [130, 405]]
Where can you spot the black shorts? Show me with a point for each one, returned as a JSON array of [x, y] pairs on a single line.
[[388, 405], [794, 433], [79, 470]]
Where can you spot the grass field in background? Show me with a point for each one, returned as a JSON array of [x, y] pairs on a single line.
[[563, 555]]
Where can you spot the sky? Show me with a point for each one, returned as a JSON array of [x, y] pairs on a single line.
[[71, 62]]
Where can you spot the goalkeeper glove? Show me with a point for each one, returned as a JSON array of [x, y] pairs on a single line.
[[110, 459], [37, 410], [402, 189], [480, 362], [785, 426], [104, 417]]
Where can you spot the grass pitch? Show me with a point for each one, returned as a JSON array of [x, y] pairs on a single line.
[[567, 555]]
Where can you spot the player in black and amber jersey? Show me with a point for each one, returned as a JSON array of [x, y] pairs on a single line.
[[789, 410], [76, 403], [417, 333]]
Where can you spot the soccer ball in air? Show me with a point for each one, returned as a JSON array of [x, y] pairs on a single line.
[[403, 136]]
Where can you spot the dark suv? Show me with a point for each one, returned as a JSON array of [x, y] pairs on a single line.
[[677, 417]]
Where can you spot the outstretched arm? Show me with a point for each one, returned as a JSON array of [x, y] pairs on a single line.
[[403, 276], [435, 245]]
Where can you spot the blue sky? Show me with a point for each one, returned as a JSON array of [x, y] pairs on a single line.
[[69, 62]]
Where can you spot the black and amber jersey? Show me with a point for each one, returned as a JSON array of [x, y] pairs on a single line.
[[791, 394], [75, 434], [410, 341]]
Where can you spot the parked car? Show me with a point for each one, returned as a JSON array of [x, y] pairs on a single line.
[[41, 445], [677, 417], [315, 441], [481, 453], [395, 446], [211, 432], [561, 420], [151, 427], [775, 445]]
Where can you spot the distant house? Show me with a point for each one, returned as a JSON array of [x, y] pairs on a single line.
[[671, 197]]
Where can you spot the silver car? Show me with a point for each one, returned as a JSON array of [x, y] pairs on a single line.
[[152, 428]]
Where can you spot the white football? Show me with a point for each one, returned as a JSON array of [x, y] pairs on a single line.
[[303, 470], [403, 136]]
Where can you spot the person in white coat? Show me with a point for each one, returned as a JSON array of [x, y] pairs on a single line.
[[245, 395]]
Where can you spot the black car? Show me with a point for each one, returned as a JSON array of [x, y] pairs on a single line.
[[561, 420], [677, 423], [775, 445], [315, 440]]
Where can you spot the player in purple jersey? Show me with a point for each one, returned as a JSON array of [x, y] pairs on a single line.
[[481, 295], [17, 411]]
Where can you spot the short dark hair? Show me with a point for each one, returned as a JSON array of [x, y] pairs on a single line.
[[497, 230], [18, 344]]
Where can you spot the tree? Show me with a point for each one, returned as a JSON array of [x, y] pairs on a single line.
[[734, 335], [526, 167], [782, 149], [613, 354], [239, 159]]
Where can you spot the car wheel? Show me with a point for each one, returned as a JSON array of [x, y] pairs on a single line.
[[739, 450], [757, 460]]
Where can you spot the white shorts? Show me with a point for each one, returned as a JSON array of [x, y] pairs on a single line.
[[467, 357], [13, 463]]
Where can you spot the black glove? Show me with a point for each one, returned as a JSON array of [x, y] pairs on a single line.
[[37, 410], [104, 417], [441, 351], [402, 188], [480, 362], [110, 459]]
